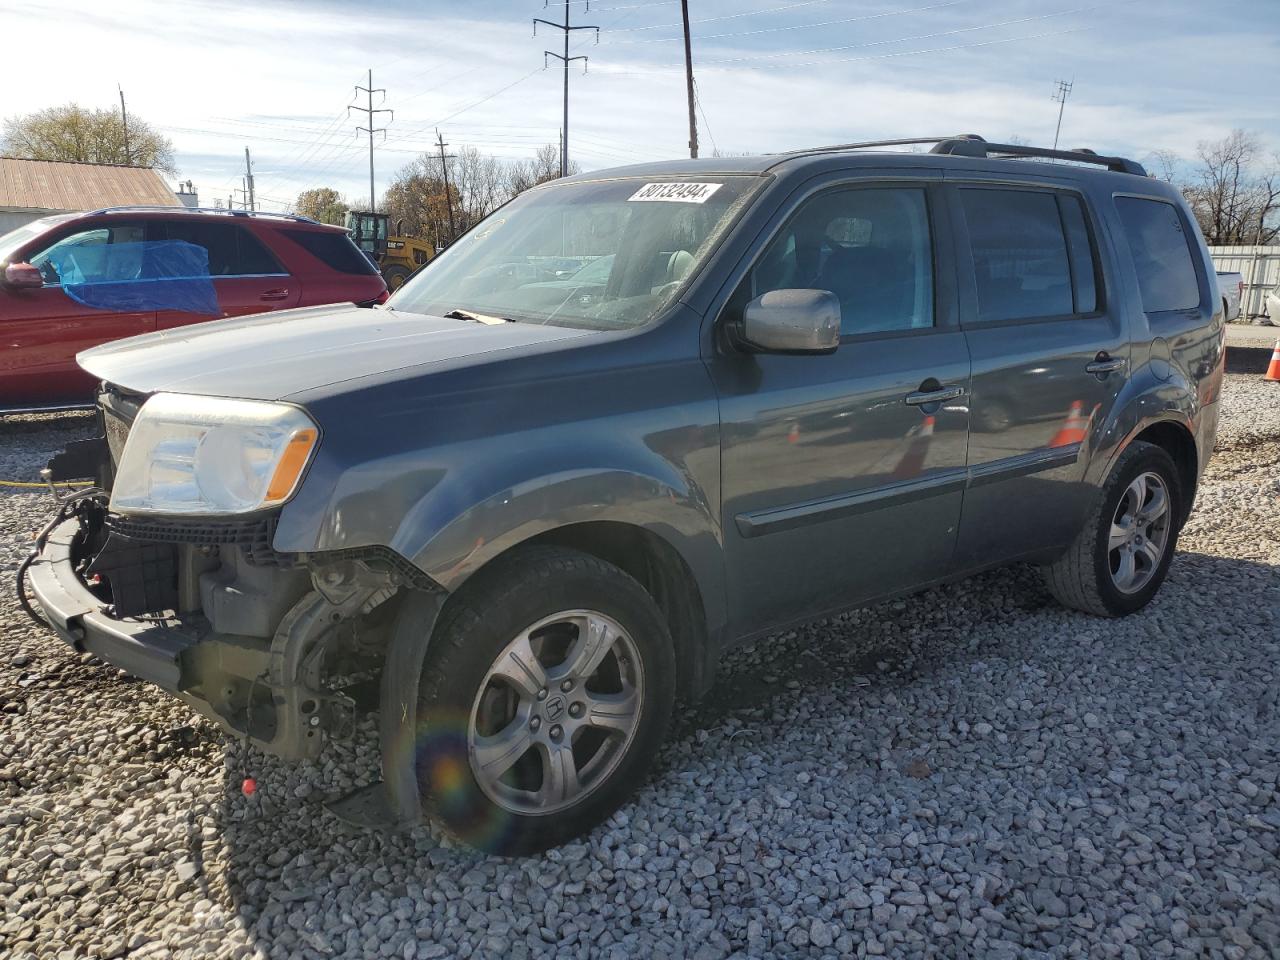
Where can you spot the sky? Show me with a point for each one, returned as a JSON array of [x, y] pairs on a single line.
[[276, 76]]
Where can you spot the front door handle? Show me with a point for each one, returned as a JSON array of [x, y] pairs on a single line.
[[1105, 364], [922, 397], [280, 293]]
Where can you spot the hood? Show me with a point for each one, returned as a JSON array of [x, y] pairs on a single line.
[[273, 355]]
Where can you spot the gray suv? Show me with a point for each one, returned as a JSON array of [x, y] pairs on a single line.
[[630, 420]]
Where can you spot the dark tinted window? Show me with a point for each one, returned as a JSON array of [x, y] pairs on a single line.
[[871, 248], [254, 256], [335, 250], [1019, 254], [1080, 247], [233, 251], [1161, 254]]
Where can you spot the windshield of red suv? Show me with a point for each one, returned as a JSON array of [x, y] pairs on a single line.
[[602, 255], [14, 239]]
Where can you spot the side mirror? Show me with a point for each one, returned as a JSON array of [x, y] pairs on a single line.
[[22, 276], [792, 321]]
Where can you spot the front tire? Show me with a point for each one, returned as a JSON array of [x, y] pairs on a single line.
[[545, 694], [1122, 555], [395, 276]]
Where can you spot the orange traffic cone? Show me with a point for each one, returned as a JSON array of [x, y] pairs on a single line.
[[912, 462], [1273, 371], [1073, 428]]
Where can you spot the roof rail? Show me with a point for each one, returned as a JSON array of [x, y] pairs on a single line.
[[158, 208], [972, 145], [977, 147], [910, 142]]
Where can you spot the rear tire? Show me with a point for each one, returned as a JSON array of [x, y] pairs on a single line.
[[545, 694], [1122, 554]]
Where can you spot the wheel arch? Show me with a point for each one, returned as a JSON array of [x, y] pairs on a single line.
[[1177, 440], [666, 577]]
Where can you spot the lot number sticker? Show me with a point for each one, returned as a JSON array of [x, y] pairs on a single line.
[[682, 192]]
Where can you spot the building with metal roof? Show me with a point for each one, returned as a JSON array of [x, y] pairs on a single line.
[[30, 189]]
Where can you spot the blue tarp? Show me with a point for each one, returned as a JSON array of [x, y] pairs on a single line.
[[149, 275]]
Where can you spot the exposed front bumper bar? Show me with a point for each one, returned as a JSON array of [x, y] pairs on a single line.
[[245, 684], [145, 649]]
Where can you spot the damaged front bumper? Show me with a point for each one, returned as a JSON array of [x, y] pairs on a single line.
[[269, 689]]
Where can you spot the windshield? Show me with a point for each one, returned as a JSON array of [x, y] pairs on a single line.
[[14, 239], [602, 255]]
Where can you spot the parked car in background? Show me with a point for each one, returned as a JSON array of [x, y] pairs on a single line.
[[1231, 286], [74, 281], [541, 509]]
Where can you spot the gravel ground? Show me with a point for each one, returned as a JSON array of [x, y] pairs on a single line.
[[971, 772]]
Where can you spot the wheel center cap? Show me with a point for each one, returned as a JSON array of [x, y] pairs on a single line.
[[554, 708]]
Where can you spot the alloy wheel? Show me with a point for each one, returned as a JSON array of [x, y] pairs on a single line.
[[556, 712], [1139, 533]]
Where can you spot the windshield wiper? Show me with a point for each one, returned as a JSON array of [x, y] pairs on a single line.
[[472, 315]]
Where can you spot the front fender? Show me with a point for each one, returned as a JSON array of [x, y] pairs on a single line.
[[450, 507]]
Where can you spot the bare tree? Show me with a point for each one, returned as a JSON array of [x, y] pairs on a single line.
[[1235, 191], [74, 133], [544, 166]]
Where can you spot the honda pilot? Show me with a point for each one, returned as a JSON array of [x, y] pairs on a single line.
[[541, 513]]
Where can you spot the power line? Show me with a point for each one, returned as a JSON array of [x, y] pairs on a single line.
[[566, 28], [884, 56], [369, 113], [921, 36], [727, 16], [706, 124], [796, 26]]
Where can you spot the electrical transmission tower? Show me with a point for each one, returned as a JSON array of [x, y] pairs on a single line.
[[564, 130], [1060, 95], [369, 113]]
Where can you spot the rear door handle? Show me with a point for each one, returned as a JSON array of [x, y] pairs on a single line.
[[1105, 364], [280, 293], [922, 397]]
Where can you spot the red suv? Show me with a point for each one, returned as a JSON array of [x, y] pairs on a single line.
[[73, 281]]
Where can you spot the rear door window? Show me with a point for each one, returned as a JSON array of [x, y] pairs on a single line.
[[1032, 254], [1161, 254], [334, 250], [233, 251]]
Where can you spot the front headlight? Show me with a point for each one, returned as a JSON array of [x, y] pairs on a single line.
[[212, 456]]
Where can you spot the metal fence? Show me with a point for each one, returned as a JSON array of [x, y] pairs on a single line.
[[1260, 266]]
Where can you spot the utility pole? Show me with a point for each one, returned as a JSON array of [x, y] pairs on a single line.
[[124, 120], [688, 79], [369, 113], [1060, 95], [444, 173], [565, 59], [248, 179]]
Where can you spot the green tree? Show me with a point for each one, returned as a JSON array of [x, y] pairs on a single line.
[[75, 133], [322, 203]]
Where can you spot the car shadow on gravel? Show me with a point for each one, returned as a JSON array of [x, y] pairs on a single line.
[[283, 854]]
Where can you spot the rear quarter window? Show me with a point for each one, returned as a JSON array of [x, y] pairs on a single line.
[[334, 250], [1162, 255]]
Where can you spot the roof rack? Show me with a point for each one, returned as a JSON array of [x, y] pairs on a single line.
[[145, 208], [972, 145]]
